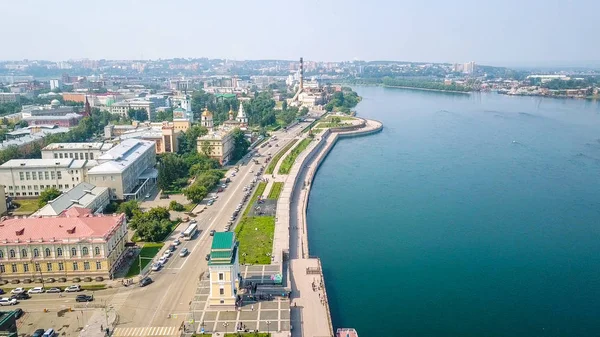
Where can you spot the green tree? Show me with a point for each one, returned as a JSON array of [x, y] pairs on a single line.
[[175, 206], [138, 114], [48, 195], [171, 167], [153, 230], [195, 193], [206, 148], [129, 208], [240, 144]]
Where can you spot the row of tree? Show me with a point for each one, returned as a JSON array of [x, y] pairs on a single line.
[[150, 226], [424, 84]]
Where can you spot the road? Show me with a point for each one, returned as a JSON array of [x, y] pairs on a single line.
[[166, 302]]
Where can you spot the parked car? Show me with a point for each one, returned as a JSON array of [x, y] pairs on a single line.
[[184, 252], [212, 232], [38, 333], [36, 290], [17, 291], [156, 266], [172, 247], [207, 257], [210, 202], [84, 298], [53, 290], [167, 253], [162, 260], [21, 296], [8, 301], [73, 288], [18, 313], [1, 291], [176, 242], [145, 281]]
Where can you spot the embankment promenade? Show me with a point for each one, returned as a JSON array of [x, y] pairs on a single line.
[[310, 314]]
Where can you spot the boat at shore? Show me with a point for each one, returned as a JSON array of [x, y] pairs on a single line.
[[346, 332]]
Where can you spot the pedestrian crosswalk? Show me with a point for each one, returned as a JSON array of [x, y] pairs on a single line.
[[159, 331]]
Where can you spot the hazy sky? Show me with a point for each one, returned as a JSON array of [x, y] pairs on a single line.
[[508, 32]]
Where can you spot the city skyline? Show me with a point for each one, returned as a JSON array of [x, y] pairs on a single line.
[[521, 34]]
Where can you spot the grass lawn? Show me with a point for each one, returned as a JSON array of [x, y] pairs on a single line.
[[310, 126], [275, 190], [278, 156], [255, 235], [26, 206], [287, 163], [148, 252], [332, 125], [189, 207], [260, 189]]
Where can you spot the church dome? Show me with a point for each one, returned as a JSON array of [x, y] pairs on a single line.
[[55, 103], [206, 113]]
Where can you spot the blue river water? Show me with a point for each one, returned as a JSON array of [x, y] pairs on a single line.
[[469, 215]]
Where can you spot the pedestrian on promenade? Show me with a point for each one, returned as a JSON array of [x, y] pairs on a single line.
[[252, 307]]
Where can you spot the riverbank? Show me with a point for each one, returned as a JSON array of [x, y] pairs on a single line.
[[427, 89], [307, 283]]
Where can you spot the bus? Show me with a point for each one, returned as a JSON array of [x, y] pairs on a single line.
[[190, 231]]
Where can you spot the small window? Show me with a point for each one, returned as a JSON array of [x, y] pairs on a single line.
[[97, 250], [1, 254], [13, 267], [11, 253], [75, 266], [36, 253], [84, 251], [73, 252], [221, 277], [47, 252], [49, 266], [221, 291], [61, 266], [37, 267], [23, 253], [2, 268], [59, 251], [25, 267], [86, 266], [98, 265]]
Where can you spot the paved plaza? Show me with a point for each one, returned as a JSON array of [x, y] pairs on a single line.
[[268, 315]]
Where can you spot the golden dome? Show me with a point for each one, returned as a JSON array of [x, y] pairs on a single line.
[[206, 113]]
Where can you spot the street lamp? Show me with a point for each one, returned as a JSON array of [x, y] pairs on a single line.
[[268, 327], [225, 325]]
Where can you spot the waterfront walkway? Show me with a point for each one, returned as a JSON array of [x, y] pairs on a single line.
[[310, 315]]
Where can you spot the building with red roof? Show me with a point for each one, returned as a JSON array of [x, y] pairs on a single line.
[[75, 245]]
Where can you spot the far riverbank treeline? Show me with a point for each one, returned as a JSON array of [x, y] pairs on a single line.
[[417, 83]]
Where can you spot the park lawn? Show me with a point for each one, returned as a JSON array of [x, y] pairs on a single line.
[[190, 207], [255, 236], [260, 189], [275, 190], [278, 156], [149, 251], [287, 163], [331, 125], [26, 206], [342, 118]]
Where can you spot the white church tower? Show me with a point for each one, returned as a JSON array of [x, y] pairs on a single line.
[[241, 116]]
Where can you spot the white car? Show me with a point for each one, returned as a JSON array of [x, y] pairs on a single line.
[[17, 291], [36, 290], [167, 253], [73, 288], [8, 301], [176, 242], [162, 260], [156, 266]]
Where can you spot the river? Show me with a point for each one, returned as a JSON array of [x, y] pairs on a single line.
[[469, 215]]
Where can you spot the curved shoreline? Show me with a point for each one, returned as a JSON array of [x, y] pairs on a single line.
[[290, 241]]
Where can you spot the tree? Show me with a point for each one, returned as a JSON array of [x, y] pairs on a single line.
[[138, 114], [175, 206], [284, 105], [240, 144], [171, 167], [153, 230], [195, 193], [164, 115], [206, 148], [130, 208], [48, 194], [303, 111]]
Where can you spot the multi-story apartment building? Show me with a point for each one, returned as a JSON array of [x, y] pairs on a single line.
[[29, 177], [75, 150], [218, 142], [9, 98], [77, 245], [68, 120], [122, 108], [127, 169]]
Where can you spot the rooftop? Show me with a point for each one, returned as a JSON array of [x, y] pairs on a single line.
[[81, 195], [120, 157], [70, 227], [223, 241], [78, 146], [44, 117], [45, 163]]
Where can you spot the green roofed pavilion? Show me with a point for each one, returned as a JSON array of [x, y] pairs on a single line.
[[223, 249]]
